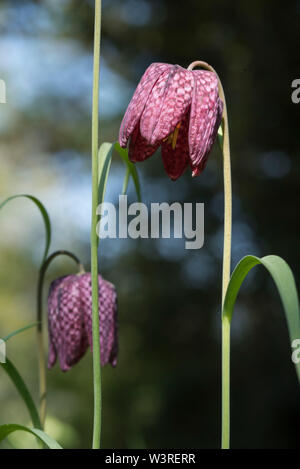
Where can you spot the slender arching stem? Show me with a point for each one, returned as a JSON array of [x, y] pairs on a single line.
[[40, 342], [226, 263], [94, 240]]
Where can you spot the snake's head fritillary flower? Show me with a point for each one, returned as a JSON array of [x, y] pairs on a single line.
[[177, 109], [70, 320]]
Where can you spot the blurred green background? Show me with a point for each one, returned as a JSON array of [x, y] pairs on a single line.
[[165, 391]]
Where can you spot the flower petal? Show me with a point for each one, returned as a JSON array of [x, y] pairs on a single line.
[[139, 149], [52, 354], [176, 160], [66, 329], [155, 101], [175, 103], [107, 316], [206, 114], [201, 166], [139, 99]]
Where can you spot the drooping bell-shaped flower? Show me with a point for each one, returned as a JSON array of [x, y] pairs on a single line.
[[70, 320], [177, 109]]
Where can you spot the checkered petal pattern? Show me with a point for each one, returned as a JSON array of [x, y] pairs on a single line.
[[164, 109], [176, 160], [139, 99], [70, 320], [165, 96], [139, 149], [205, 119]]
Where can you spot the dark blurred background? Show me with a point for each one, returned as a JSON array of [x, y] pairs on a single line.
[[165, 391]]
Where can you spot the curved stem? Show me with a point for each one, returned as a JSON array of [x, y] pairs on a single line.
[[40, 342], [94, 239], [226, 262]]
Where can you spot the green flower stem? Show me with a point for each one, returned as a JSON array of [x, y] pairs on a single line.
[[225, 443], [40, 342], [226, 276], [226, 263], [94, 239]]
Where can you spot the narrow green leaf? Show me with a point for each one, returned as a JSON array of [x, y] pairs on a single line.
[[104, 163], [7, 429], [43, 212], [23, 391], [285, 283], [220, 136], [126, 182], [104, 159], [18, 380], [123, 153], [18, 331]]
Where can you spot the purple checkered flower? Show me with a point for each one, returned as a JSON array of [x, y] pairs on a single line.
[[70, 320], [177, 109]]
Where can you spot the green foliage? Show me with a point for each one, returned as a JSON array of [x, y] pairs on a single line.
[[7, 429], [18, 381], [285, 283], [104, 160], [44, 214], [130, 169], [104, 157], [18, 331], [23, 391]]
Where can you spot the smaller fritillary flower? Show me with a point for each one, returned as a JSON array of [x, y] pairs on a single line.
[[175, 108], [70, 320]]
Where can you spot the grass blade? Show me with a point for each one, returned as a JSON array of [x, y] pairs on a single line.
[[104, 159], [130, 167], [23, 391], [7, 429], [285, 283], [126, 182], [18, 331], [43, 212], [18, 380]]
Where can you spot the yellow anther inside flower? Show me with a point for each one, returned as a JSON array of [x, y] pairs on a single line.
[[168, 138], [172, 138], [175, 135]]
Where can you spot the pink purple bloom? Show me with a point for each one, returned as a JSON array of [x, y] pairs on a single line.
[[70, 320], [177, 109]]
